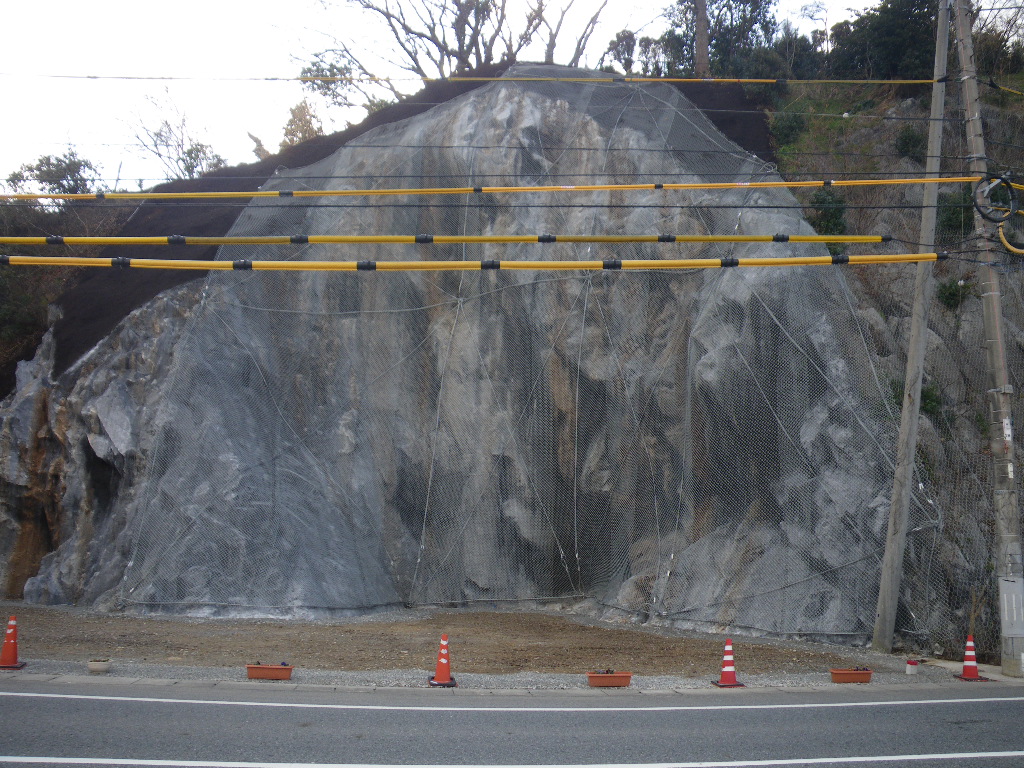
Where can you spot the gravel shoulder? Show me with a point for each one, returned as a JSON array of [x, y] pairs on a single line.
[[489, 649]]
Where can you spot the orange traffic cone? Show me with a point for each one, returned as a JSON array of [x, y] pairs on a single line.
[[728, 669], [970, 673], [9, 654], [443, 674]]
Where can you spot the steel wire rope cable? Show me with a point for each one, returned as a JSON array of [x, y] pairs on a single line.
[[135, 522], [869, 433], [20, 197], [415, 581], [767, 169], [781, 588], [534, 388], [583, 116], [661, 581], [847, 295], [825, 377], [660, 584], [633, 96], [461, 299], [588, 281], [588, 286], [622, 105], [325, 475]]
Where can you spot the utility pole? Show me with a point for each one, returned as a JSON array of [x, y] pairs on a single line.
[[1007, 514], [924, 289]]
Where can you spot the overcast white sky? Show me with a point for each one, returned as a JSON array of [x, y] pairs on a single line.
[[210, 40]]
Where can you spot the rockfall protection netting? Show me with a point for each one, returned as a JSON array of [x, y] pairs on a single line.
[[710, 448]]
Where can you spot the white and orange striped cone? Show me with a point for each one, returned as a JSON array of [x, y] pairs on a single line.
[[728, 679], [9, 653], [443, 674], [970, 673]]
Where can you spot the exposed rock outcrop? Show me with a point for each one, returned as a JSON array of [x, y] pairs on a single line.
[[705, 447]]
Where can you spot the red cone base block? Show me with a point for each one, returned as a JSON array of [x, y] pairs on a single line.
[[9, 653], [728, 679], [442, 675], [970, 673]]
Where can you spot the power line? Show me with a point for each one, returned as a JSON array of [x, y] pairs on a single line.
[[609, 80]]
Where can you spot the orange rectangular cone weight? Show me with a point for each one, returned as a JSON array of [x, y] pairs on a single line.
[[9, 654], [728, 679], [970, 673], [443, 674]]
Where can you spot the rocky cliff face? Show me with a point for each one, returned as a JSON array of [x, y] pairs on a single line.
[[705, 447]]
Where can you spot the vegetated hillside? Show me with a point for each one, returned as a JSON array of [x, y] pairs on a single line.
[[836, 132]]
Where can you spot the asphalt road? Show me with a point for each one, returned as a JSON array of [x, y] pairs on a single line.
[[57, 723]]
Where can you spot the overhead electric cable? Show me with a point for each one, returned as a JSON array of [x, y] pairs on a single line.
[[613, 79], [438, 266]]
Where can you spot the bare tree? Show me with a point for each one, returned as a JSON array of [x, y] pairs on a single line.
[[173, 143], [437, 39], [999, 37], [581, 40]]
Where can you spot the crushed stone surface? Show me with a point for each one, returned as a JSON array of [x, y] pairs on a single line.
[[489, 649]]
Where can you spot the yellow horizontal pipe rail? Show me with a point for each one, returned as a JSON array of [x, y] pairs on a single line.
[[481, 190], [1006, 243], [438, 266], [187, 240]]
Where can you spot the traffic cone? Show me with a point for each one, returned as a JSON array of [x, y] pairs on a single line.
[[443, 674], [728, 669], [9, 654], [970, 673]]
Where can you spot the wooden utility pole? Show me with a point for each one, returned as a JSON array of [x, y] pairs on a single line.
[[1007, 514], [924, 288], [702, 39]]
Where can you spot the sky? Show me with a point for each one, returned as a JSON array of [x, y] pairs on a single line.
[[53, 47]]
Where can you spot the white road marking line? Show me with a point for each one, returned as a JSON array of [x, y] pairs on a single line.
[[525, 709], [700, 764]]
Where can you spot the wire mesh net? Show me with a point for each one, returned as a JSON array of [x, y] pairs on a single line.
[[709, 448]]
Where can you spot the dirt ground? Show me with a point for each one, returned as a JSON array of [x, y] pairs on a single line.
[[480, 642]]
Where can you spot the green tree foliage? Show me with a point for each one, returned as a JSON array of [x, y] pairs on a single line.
[[738, 29], [741, 36], [302, 125], [622, 50], [802, 58], [894, 40], [331, 75], [828, 216], [912, 143], [25, 293], [67, 174], [955, 217]]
